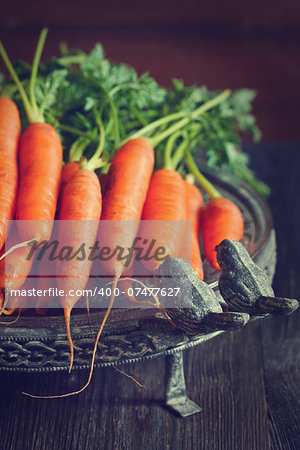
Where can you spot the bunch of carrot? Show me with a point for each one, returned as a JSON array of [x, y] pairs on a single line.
[[133, 192]]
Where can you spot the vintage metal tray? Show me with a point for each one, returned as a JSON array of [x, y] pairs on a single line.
[[38, 344]]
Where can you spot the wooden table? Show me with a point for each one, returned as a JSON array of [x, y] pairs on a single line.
[[248, 382]]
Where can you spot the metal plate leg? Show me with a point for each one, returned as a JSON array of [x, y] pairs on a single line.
[[176, 398]]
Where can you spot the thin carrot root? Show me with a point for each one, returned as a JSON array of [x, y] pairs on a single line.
[[143, 302], [14, 247], [89, 315], [4, 301], [103, 352], [69, 394], [67, 314], [12, 321], [124, 373], [148, 303]]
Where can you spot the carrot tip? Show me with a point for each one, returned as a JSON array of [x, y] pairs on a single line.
[[67, 313], [71, 363]]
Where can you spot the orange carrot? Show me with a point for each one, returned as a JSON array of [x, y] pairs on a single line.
[[81, 204], [66, 174], [128, 180], [222, 219], [84, 185], [126, 188], [127, 184], [165, 202], [194, 212], [40, 162], [45, 282], [10, 128]]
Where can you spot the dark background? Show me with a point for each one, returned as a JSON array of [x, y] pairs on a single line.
[[246, 382], [233, 43]]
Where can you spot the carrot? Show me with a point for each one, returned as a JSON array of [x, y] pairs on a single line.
[[45, 282], [10, 128], [166, 203], [126, 188], [81, 204], [221, 218], [74, 164], [194, 212], [40, 161], [67, 172]]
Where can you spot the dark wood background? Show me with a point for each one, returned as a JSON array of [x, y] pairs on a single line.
[[233, 43], [247, 382]]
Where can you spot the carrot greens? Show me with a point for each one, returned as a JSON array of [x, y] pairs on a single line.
[[72, 90]]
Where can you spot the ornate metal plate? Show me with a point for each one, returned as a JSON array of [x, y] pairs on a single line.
[[36, 343]]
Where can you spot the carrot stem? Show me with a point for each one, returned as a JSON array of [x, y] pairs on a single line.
[[168, 163], [72, 59], [153, 125], [179, 154], [96, 160], [16, 79], [77, 149], [34, 70], [177, 126], [190, 178], [33, 113], [202, 181], [154, 141]]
